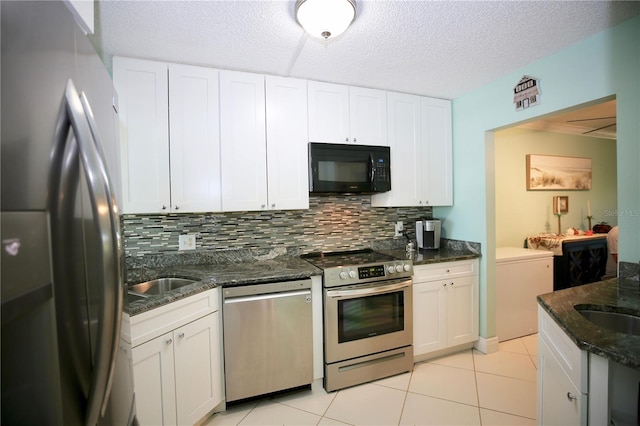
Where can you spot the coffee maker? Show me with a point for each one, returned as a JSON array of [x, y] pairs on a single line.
[[428, 233]]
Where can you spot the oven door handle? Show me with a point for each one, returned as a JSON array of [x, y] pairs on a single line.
[[368, 291]]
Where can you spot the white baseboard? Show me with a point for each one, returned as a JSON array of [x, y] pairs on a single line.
[[487, 346]]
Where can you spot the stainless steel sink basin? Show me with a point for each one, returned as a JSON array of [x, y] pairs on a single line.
[[159, 286], [614, 321]]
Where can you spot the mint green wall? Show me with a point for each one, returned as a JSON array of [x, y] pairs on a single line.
[[604, 65], [521, 213]]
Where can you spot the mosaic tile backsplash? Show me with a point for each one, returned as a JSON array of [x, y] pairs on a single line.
[[331, 223]]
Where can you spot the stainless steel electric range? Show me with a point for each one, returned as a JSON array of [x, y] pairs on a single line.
[[368, 316]]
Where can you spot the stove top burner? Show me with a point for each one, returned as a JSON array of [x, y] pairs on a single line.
[[346, 258]]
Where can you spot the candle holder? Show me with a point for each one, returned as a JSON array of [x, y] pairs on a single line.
[[559, 215], [589, 219]]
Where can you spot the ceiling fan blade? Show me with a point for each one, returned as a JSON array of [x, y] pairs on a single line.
[[591, 119], [599, 128]]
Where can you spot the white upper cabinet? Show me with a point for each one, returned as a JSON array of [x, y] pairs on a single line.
[[287, 170], [436, 152], [368, 116], [243, 141], [169, 133], [144, 134], [405, 141], [197, 139], [194, 138], [421, 152], [328, 112], [344, 114]]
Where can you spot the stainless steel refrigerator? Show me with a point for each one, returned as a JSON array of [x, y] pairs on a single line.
[[66, 347]]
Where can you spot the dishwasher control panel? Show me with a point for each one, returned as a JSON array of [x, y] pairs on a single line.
[[254, 289]]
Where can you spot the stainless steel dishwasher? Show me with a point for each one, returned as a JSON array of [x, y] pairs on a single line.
[[268, 344]]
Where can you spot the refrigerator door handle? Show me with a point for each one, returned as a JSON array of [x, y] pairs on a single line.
[[76, 113]]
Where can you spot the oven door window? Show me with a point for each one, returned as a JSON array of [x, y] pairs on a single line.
[[368, 316]]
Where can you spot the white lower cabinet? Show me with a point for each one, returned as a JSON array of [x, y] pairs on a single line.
[[562, 400], [562, 376], [154, 380], [178, 372], [445, 307], [576, 387]]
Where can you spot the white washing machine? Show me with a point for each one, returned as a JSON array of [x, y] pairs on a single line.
[[521, 275]]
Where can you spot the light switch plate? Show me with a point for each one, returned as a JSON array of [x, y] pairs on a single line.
[[187, 242], [399, 227]]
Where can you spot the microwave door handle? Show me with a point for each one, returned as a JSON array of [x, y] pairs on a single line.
[[372, 173]]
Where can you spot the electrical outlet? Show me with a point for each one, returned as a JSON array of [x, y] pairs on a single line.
[[399, 227], [187, 242]]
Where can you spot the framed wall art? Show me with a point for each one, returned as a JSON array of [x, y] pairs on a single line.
[[561, 204], [553, 173]]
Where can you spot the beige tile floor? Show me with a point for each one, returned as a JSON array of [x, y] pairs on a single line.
[[466, 388]]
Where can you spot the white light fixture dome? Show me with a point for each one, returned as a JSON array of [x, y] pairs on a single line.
[[325, 18]]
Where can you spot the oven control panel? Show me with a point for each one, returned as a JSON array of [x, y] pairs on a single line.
[[346, 275], [371, 271]]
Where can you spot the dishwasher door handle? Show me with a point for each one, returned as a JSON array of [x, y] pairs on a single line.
[[260, 297]]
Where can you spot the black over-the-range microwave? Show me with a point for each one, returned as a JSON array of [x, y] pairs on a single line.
[[342, 168]]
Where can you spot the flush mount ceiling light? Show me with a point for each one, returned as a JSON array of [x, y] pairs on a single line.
[[325, 18]]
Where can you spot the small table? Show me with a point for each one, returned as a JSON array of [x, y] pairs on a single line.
[[578, 259]]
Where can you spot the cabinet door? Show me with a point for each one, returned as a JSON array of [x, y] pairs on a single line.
[[368, 116], [195, 139], [287, 169], [436, 152], [198, 368], [328, 112], [154, 381], [429, 317], [462, 310], [243, 141], [556, 392], [405, 141], [144, 134]]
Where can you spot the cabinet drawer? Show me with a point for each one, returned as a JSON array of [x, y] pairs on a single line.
[[445, 270], [569, 356], [156, 322]]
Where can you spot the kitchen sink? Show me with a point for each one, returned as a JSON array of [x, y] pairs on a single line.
[[614, 321], [159, 286]]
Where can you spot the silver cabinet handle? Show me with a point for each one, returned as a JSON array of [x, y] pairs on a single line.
[[273, 206], [571, 397], [181, 335], [169, 341], [355, 140], [346, 139], [164, 207], [177, 207]]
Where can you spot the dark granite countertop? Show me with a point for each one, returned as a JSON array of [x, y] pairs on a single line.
[[235, 268], [617, 295], [423, 257], [215, 275]]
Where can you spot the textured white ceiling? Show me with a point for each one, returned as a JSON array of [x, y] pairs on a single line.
[[434, 48]]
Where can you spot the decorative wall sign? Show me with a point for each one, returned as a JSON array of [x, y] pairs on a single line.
[[546, 172], [526, 93]]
